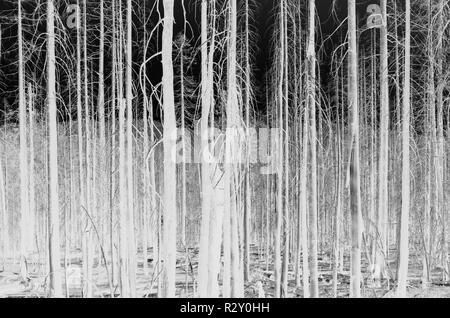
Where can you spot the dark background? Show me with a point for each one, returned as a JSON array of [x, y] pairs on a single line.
[[330, 14]]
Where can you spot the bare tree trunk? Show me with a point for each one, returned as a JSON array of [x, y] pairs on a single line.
[[53, 225], [286, 220], [102, 174], [125, 285], [434, 191], [87, 209], [383, 160], [216, 179], [184, 157], [4, 215], [123, 192], [310, 95], [226, 285], [355, 182], [441, 82], [205, 167], [155, 208], [404, 223], [170, 208], [232, 155], [248, 206], [298, 139], [31, 172], [81, 179], [101, 85], [5, 219], [311, 56], [115, 266], [24, 203], [279, 209], [145, 151], [430, 200], [337, 221], [129, 144]]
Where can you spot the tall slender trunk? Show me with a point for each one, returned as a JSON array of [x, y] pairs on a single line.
[[115, 267], [53, 224], [217, 183], [312, 240], [102, 173], [87, 209], [31, 172], [205, 167], [404, 222], [101, 85], [297, 140], [287, 227], [4, 214], [169, 199], [440, 165], [355, 182], [145, 151], [279, 199], [123, 192], [337, 221], [248, 205], [310, 95], [232, 155], [184, 147], [129, 145], [430, 199], [81, 172], [24, 203], [383, 204]]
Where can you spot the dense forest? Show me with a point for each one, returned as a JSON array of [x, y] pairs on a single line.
[[224, 148]]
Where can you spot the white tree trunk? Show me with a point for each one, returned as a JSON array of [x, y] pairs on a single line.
[[54, 240], [216, 180], [129, 144], [88, 211], [311, 56], [310, 94], [103, 170], [123, 192], [232, 154], [280, 153], [383, 197], [169, 135], [355, 182], [31, 172], [404, 222], [24, 203], [205, 166], [4, 215]]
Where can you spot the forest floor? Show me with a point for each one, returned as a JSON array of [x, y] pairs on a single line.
[[261, 281]]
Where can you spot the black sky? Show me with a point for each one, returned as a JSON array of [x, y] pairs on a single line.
[[264, 19]]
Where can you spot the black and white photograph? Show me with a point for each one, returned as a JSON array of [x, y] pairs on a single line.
[[224, 149]]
